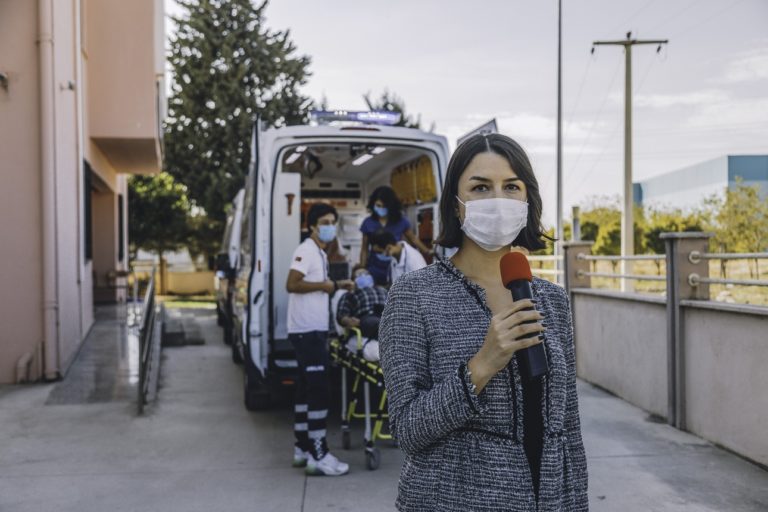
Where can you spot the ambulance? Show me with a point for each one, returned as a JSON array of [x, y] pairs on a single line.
[[339, 159], [226, 266]]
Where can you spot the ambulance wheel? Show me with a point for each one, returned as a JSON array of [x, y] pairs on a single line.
[[257, 396], [219, 316], [237, 357], [372, 459], [346, 440]]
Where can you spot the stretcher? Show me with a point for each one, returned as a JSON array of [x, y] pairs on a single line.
[[348, 352]]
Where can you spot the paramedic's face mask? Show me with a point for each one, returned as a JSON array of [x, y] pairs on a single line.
[[380, 208], [494, 200], [326, 228], [383, 256]]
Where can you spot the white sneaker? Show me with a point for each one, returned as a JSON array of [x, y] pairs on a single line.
[[327, 466], [300, 457]]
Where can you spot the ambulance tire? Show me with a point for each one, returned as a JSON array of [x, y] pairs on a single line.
[[237, 356], [257, 395]]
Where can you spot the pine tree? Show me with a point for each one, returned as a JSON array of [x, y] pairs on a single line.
[[228, 67], [391, 102]]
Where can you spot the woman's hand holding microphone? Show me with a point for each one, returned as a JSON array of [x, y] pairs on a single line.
[[502, 341]]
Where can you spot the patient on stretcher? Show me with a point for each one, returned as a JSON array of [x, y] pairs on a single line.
[[361, 309]]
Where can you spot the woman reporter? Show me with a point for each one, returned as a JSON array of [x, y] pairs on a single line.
[[476, 435]]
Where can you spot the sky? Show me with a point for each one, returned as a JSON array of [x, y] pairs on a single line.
[[459, 64]]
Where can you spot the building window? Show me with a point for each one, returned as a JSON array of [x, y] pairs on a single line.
[[120, 229], [87, 210]]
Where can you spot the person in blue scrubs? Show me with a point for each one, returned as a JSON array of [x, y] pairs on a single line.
[[386, 213]]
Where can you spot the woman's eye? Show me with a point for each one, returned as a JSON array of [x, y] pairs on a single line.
[[480, 188], [512, 187]]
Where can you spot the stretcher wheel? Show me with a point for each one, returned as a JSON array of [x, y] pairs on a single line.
[[346, 440], [372, 459]]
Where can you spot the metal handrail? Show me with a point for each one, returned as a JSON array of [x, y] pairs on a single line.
[[695, 279], [549, 271], [697, 256], [545, 258], [636, 277], [146, 336], [637, 257]]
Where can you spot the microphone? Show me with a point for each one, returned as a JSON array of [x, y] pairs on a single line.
[[516, 276]]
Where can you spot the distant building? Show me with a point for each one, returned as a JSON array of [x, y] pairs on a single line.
[[81, 106], [687, 188]]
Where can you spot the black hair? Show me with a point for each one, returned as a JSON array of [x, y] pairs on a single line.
[[318, 210], [382, 238], [387, 196], [451, 235]]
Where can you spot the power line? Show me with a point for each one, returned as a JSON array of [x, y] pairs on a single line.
[[578, 96], [621, 26], [667, 19], [708, 18], [594, 119]]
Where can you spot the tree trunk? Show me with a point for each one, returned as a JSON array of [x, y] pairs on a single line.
[[161, 278]]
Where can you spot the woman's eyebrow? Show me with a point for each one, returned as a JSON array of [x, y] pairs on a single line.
[[481, 178]]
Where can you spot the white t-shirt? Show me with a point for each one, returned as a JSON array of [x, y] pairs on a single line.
[[309, 311], [410, 260]]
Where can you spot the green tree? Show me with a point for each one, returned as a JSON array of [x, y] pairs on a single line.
[[601, 222], [158, 208], [391, 102], [740, 221], [668, 221], [228, 67], [661, 220]]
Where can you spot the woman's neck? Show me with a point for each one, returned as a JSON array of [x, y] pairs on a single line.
[[476, 263]]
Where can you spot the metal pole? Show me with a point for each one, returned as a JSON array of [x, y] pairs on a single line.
[[559, 219], [627, 223], [576, 224]]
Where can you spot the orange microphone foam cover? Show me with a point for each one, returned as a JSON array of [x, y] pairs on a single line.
[[514, 266]]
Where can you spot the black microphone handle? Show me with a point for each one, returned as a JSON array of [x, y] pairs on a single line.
[[532, 361]]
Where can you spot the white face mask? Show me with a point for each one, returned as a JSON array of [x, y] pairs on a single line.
[[494, 223]]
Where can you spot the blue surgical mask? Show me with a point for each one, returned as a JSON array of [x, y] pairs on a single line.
[[383, 257], [364, 281], [381, 211], [326, 233]]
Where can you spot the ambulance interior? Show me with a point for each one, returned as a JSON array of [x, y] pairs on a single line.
[[344, 175]]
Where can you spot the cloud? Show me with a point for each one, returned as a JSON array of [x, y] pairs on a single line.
[[688, 99], [750, 67], [536, 133], [731, 111]]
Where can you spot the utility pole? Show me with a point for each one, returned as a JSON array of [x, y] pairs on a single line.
[[559, 218], [627, 220]]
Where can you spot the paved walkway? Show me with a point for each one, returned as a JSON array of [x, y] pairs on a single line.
[[198, 449]]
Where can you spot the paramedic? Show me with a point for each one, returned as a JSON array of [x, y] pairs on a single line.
[[309, 289], [386, 213], [401, 256]]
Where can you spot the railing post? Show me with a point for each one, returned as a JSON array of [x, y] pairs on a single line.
[[680, 266], [574, 266], [576, 224]]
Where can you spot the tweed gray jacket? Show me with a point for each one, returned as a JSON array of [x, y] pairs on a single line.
[[464, 452]]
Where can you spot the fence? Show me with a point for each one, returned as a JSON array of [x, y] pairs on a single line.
[[698, 363], [146, 343]]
